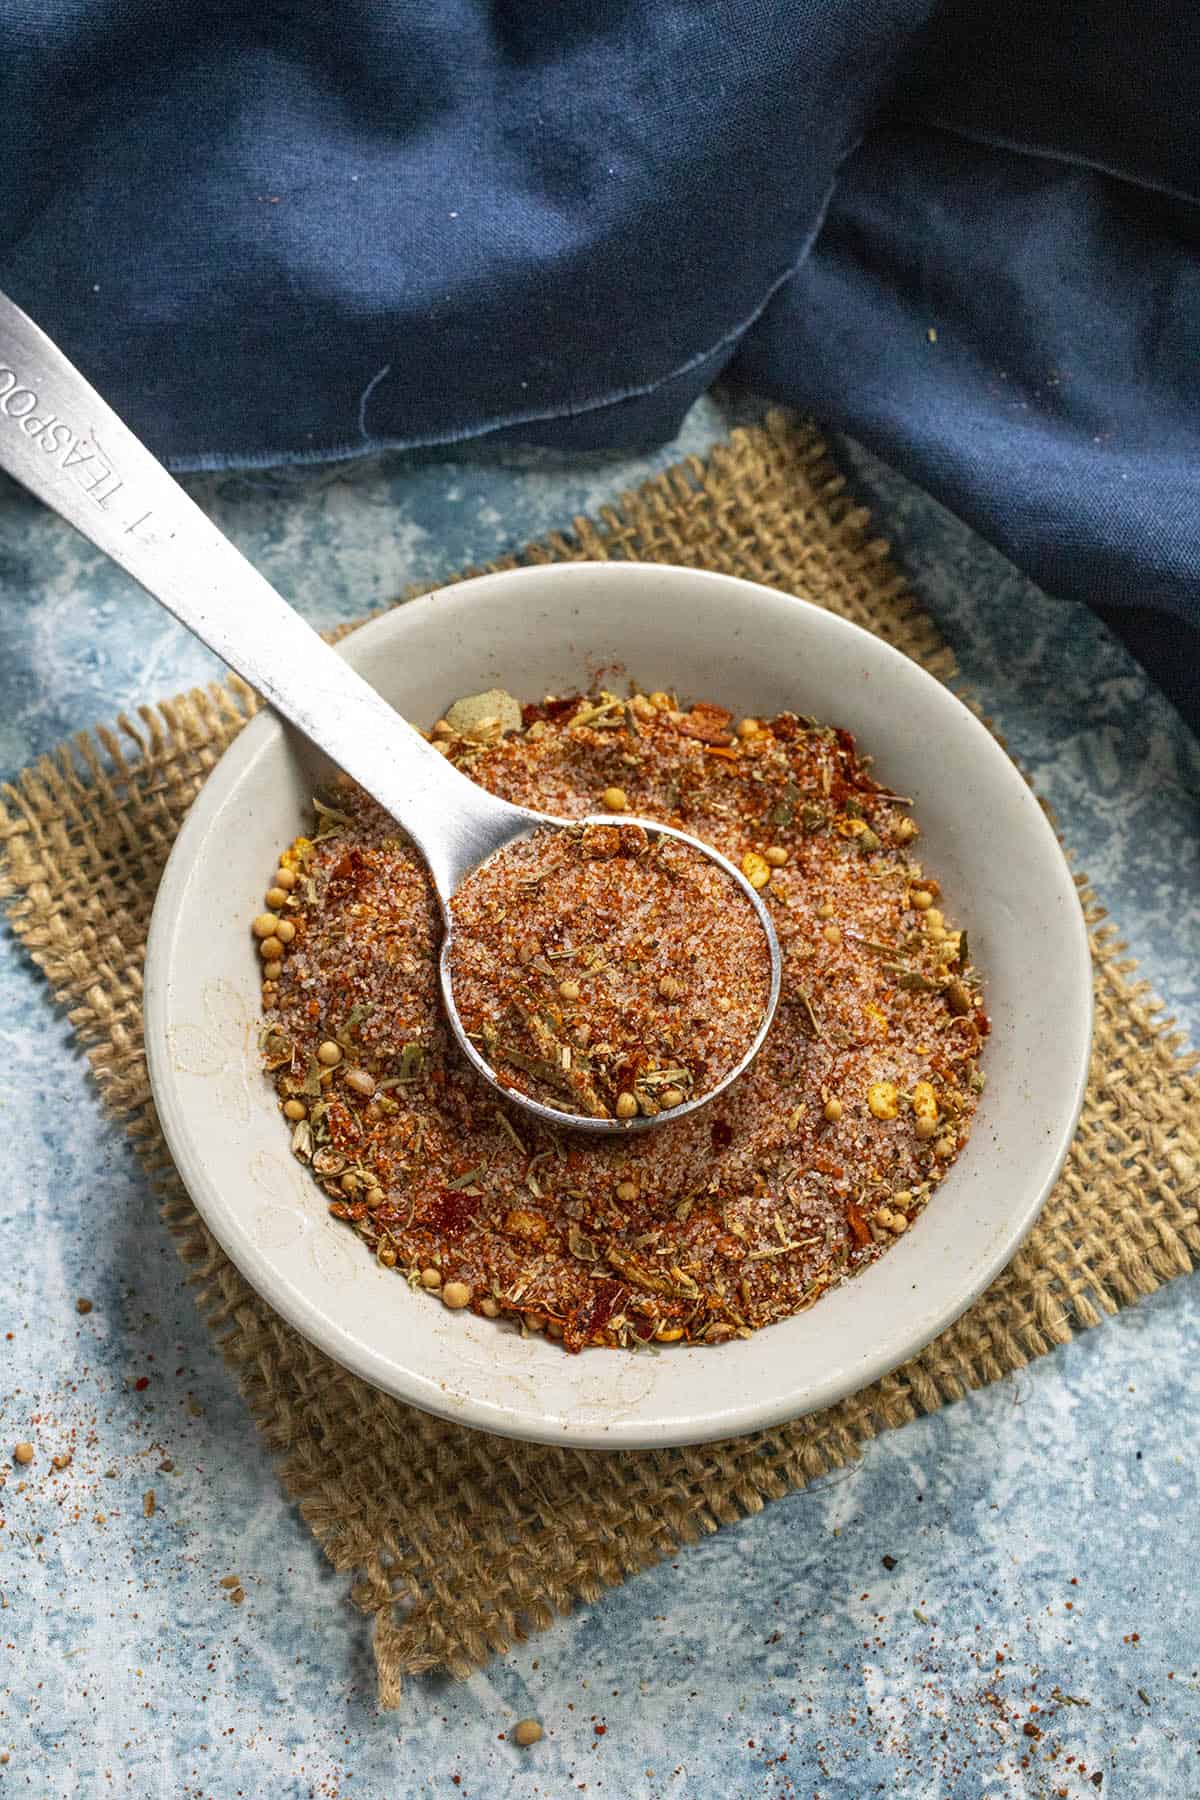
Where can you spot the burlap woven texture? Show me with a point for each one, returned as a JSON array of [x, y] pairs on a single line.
[[462, 1543]]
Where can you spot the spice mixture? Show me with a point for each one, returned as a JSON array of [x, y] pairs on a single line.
[[608, 971], [822, 1153]]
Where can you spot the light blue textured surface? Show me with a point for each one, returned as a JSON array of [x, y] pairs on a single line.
[[1045, 1520]]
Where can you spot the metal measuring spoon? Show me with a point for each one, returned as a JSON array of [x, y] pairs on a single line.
[[60, 440]]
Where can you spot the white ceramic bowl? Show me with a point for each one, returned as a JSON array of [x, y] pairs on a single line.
[[551, 629]]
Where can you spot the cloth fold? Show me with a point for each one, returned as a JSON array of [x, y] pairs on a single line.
[[274, 232]]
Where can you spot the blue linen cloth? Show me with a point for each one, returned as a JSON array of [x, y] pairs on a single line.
[[298, 229]]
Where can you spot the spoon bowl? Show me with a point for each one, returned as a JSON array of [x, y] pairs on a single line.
[[556, 1116]]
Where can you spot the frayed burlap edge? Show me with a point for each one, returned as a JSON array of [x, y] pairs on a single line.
[[462, 1543]]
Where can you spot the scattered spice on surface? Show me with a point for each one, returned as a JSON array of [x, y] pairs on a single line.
[[715, 1223], [149, 1503], [23, 1453], [606, 963], [83, 1306], [526, 1732]]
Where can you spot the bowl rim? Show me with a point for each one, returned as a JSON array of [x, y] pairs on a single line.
[[412, 1386]]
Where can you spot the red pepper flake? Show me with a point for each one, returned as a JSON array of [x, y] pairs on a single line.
[[706, 723], [551, 709], [858, 1225], [142, 1383], [451, 1212], [581, 1326], [722, 1134], [348, 878], [342, 1129]]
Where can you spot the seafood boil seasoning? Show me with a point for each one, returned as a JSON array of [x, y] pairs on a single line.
[[608, 971], [820, 1155]]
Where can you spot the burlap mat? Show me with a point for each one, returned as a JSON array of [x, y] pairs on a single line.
[[462, 1543]]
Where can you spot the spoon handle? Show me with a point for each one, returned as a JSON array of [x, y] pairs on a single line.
[[60, 440]]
